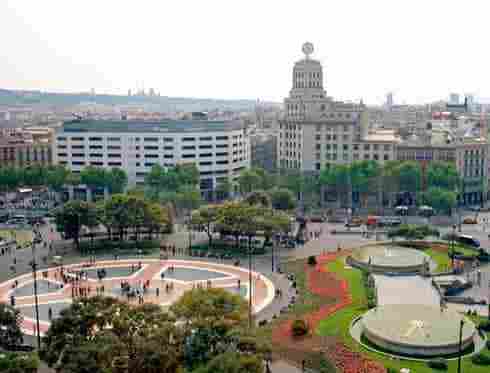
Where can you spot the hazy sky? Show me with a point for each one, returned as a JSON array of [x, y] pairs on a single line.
[[419, 49]]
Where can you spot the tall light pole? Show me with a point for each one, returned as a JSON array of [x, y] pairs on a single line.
[[34, 275], [461, 324], [250, 282]]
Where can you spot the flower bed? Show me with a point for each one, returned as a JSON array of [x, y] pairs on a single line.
[[326, 285]]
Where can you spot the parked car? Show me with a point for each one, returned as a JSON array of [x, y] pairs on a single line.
[[352, 224], [469, 220]]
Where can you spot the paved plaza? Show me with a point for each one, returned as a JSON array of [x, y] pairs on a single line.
[[146, 280]]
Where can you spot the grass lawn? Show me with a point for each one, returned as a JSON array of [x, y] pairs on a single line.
[[21, 235], [442, 259], [338, 325]]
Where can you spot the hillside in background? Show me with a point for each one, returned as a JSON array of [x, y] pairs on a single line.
[[157, 103]]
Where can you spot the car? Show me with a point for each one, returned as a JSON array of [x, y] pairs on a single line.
[[352, 224], [317, 218], [469, 220]]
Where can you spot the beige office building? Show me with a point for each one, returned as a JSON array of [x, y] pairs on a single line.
[[317, 131]]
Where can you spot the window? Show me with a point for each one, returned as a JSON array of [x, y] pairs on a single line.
[[221, 137], [188, 156], [205, 163], [113, 139], [62, 154], [78, 146], [386, 157], [95, 146], [77, 139], [118, 164], [222, 162], [356, 156], [76, 163], [367, 147], [61, 146], [318, 147], [151, 155], [345, 147], [95, 139], [375, 147], [375, 157], [222, 145], [168, 139], [205, 146], [318, 166], [355, 146], [151, 139], [318, 137], [61, 138], [187, 139], [222, 154], [189, 147], [205, 138], [346, 128], [345, 137], [96, 155], [205, 155], [114, 155], [78, 155], [113, 147], [366, 156], [318, 127], [149, 164], [168, 148], [151, 147], [387, 148], [140, 174], [168, 156]]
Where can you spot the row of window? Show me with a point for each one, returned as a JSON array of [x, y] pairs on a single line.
[[355, 156], [146, 139]]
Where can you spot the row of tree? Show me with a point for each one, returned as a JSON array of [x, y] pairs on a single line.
[[55, 177], [122, 214], [437, 185], [204, 332], [240, 219]]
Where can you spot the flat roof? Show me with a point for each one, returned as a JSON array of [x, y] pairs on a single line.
[[150, 126]]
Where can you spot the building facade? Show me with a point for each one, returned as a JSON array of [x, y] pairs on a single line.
[[317, 131], [220, 150], [16, 151], [263, 145]]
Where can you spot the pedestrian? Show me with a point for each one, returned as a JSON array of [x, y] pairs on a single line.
[[50, 314], [158, 292]]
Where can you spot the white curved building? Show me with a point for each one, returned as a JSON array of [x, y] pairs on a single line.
[[219, 149]]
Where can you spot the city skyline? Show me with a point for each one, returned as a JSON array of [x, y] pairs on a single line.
[[214, 50]]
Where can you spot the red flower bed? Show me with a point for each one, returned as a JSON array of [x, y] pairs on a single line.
[[325, 284]]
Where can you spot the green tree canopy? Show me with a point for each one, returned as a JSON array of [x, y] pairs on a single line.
[[443, 175], [10, 320], [73, 216], [282, 199]]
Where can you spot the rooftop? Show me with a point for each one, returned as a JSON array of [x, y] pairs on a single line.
[[150, 126]]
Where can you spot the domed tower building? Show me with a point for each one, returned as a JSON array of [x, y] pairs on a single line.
[[317, 131]]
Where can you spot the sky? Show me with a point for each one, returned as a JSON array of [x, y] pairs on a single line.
[[419, 49]]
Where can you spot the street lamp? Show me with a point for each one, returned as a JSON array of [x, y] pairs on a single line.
[[34, 275], [250, 282], [452, 246], [461, 324]]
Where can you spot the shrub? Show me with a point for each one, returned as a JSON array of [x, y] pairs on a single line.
[[485, 326], [488, 345], [483, 358], [391, 370], [299, 328], [439, 364], [312, 260]]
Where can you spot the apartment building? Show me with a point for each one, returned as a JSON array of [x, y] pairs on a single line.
[[219, 149]]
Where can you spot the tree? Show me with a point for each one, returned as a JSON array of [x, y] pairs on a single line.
[[337, 177], [209, 315], [116, 180], [248, 180], [94, 334], [56, 177], [188, 198], [72, 217], [362, 174], [441, 199], [258, 197], [282, 199], [94, 177], [443, 175], [10, 320], [205, 220], [18, 362]]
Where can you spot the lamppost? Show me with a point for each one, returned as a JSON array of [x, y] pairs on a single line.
[[34, 275], [250, 282], [452, 245], [461, 324], [274, 240]]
